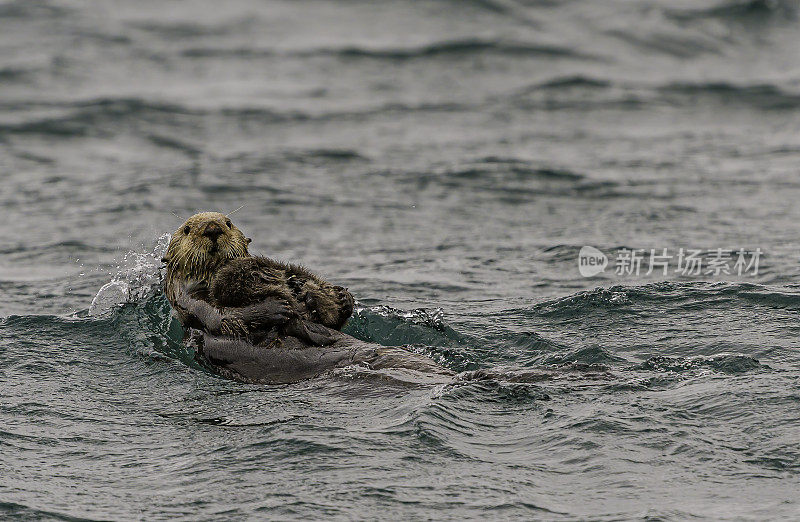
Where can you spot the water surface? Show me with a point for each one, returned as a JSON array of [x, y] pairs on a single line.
[[446, 161]]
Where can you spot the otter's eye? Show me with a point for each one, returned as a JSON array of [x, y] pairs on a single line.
[[187, 229], [230, 225]]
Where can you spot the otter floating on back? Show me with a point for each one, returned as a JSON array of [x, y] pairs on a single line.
[[255, 319], [208, 258]]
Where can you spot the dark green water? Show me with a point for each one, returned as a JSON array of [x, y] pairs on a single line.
[[446, 161]]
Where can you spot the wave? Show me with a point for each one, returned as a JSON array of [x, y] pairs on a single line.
[[25, 512], [623, 299], [489, 175], [445, 48], [422, 330], [729, 363], [66, 246], [763, 96], [452, 48], [590, 356], [25, 9], [615, 298], [169, 142], [680, 46], [187, 30], [569, 82], [14, 74], [228, 52], [87, 118], [512, 180], [131, 307], [740, 11], [580, 92], [95, 116], [81, 118], [326, 155], [502, 176]]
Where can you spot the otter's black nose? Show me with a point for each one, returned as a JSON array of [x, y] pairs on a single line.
[[212, 231]]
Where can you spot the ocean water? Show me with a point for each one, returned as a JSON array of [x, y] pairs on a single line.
[[446, 161]]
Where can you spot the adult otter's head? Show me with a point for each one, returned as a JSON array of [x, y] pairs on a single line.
[[202, 244]]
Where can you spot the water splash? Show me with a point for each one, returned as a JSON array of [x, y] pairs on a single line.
[[138, 276]]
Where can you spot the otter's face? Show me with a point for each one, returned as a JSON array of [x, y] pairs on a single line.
[[203, 243]]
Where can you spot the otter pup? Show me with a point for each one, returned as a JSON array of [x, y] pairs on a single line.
[[250, 280], [212, 277]]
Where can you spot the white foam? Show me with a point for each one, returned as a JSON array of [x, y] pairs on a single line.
[[138, 276]]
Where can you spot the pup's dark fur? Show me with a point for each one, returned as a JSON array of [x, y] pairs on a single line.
[[250, 280]]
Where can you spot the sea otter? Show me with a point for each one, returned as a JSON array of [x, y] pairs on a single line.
[[257, 320], [208, 259]]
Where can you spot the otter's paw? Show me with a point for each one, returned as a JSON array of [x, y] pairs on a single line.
[[233, 327], [346, 299], [267, 313]]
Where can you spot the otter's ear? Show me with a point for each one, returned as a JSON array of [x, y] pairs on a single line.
[[249, 240], [165, 259]]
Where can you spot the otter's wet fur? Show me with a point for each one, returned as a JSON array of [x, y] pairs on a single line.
[[208, 258]]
